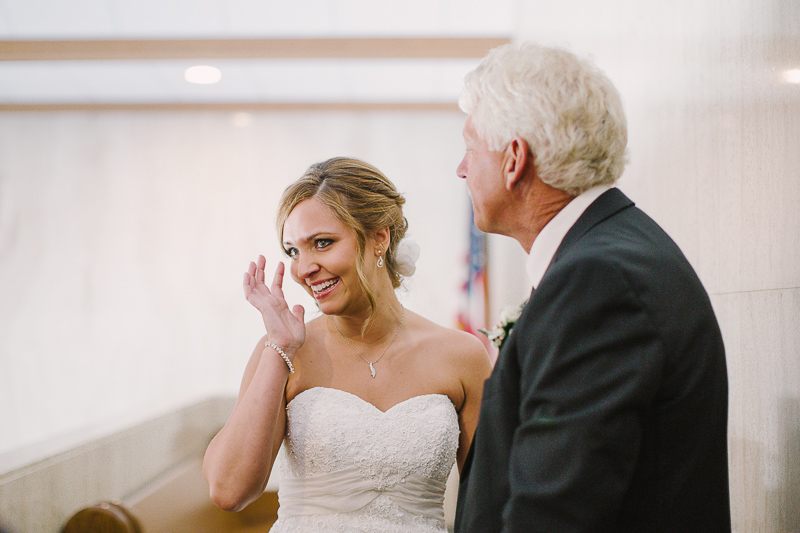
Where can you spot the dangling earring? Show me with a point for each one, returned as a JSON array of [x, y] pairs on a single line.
[[380, 259]]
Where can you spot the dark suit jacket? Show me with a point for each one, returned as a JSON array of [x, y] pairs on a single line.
[[607, 407]]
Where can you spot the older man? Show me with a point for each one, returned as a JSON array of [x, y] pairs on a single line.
[[607, 407]]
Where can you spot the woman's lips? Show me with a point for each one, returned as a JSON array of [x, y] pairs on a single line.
[[321, 290]]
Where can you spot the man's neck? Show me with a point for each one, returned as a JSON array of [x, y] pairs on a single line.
[[541, 204]]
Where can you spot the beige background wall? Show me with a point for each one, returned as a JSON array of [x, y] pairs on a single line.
[[123, 235]]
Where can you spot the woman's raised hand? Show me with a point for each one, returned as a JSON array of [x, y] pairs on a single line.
[[285, 327]]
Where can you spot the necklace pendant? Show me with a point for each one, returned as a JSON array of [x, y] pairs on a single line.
[[372, 369]]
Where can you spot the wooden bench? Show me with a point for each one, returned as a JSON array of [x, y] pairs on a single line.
[[176, 503]]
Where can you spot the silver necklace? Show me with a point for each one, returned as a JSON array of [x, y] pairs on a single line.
[[371, 367]]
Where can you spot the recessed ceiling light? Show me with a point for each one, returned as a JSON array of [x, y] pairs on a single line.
[[202, 74], [791, 75]]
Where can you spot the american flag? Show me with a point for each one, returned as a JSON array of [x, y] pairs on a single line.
[[475, 294]]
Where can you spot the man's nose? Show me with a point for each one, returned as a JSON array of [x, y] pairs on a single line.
[[461, 170]]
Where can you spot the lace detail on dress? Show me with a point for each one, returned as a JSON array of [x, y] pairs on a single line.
[[350, 467]]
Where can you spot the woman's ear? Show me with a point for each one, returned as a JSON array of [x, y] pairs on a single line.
[[517, 158], [382, 238]]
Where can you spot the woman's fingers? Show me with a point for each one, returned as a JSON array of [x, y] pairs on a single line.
[[266, 299], [255, 272], [248, 282], [283, 323], [254, 284], [277, 280], [262, 263]]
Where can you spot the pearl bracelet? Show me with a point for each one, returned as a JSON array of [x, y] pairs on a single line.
[[277, 348]]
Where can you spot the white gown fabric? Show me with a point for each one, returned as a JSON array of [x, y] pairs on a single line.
[[350, 467]]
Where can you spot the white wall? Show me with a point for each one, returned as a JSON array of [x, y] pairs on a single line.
[[124, 237]]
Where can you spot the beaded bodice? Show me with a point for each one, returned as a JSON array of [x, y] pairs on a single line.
[[350, 467]]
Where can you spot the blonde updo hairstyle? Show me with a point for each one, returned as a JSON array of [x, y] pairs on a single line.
[[362, 198]]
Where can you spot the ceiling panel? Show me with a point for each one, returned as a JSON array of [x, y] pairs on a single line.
[[159, 19], [48, 19], [341, 81], [128, 26]]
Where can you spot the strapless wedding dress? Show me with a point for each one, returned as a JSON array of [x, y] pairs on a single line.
[[350, 467]]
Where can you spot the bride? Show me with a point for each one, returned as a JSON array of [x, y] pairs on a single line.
[[373, 402]]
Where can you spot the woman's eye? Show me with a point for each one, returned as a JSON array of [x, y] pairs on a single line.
[[291, 252], [323, 243]]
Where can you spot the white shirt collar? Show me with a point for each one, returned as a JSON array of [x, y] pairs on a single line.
[[549, 239]]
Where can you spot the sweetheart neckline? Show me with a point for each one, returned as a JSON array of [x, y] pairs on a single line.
[[362, 400]]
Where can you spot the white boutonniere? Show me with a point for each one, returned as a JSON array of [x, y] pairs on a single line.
[[508, 318]]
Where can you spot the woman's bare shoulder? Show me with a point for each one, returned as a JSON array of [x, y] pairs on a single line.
[[450, 342], [316, 324]]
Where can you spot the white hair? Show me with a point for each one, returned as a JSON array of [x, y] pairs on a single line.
[[564, 107]]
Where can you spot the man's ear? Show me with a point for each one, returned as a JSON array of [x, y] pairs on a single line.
[[517, 159]]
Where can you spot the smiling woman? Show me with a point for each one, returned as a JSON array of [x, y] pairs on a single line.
[[341, 224], [320, 245], [363, 201]]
